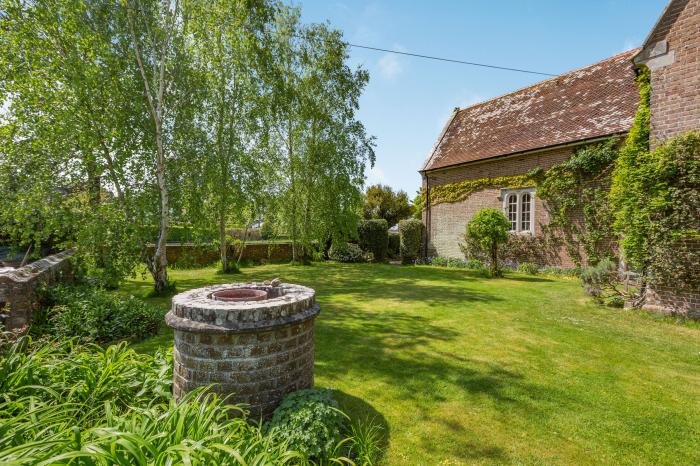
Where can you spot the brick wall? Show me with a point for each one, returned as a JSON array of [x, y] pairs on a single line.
[[672, 54], [254, 352], [447, 221], [18, 288], [191, 254]]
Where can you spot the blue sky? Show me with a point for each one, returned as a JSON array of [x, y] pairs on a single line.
[[409, 99]]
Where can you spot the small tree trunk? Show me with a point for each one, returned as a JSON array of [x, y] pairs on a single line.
[[494, 260], [223, 244]]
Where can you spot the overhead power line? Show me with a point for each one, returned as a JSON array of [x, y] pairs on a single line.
[[450, 60]]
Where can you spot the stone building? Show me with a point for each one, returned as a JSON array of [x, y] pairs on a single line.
[[502, 138], [493, 142], [672, 54]]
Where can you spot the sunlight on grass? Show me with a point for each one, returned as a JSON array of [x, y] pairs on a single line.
[[462, 369]]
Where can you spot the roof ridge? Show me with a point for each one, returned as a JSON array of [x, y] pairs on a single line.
[[559, 76]]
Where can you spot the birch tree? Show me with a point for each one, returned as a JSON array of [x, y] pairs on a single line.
[[154, 27]]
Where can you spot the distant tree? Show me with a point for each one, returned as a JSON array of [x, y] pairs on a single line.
[[489, 228], [382, 202]]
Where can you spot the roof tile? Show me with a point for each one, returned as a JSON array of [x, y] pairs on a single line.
[[591, 102]]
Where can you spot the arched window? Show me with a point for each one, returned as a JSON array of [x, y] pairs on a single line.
[[519, 208], [525, 210], [512, 205]]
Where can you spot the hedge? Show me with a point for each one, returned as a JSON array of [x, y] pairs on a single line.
[[411, 233], [374, 237]]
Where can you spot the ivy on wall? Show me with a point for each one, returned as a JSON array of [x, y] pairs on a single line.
[[656, 197], [459, 191], [648, 200], [576, 196]]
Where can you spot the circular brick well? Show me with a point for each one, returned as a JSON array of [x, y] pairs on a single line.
[[252, 342]]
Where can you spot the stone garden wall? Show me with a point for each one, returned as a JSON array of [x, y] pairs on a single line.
[[19, 296]]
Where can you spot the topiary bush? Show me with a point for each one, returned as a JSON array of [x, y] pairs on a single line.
[[488, 229], [394, 250], [374, 237], [411, 235], [346, 252], [97, 315], [310, 422]]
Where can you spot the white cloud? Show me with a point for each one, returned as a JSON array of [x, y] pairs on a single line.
[[390, 66]]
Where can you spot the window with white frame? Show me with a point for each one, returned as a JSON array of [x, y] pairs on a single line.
[[519, 207]]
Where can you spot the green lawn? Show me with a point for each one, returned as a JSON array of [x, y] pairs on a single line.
[[520, 370]]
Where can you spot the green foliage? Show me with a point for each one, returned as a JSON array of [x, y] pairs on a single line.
[[346, 252], [489, 228], [98, 315], [561, 271], [602, 280], [120, 115], [455, 192], [411, 237], [267, 230], [366, 447], [374, 237], [381, 202], [615, 301], [575, 195], [78, 378], [309, 422], [528, 268], [66, 403], [656, 195], [394, 246]]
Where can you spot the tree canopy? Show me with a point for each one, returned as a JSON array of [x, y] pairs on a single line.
[[382, 202], [120, 118]]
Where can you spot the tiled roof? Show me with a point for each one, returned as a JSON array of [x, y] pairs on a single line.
[[595, 101]]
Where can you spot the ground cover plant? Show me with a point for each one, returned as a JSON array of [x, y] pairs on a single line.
[[63, 403], [95, 314], [458, 369]]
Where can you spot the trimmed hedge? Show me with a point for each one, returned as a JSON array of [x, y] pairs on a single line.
[[374, 237], [411, 233], [394, 251]]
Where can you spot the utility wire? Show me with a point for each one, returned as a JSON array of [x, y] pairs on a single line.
[[462, 62]]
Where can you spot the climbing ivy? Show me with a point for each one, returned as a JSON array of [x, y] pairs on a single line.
[[459, 191], [656, 197], [576, 197]]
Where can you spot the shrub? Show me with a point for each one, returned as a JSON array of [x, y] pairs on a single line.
[[615, 301], [64, 403], [489, 228], [98, 315], [374, 237], [309, 422], [346, 252], [411, 235], [602, 280], [394, 246], [474, 264], [528, 268]]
